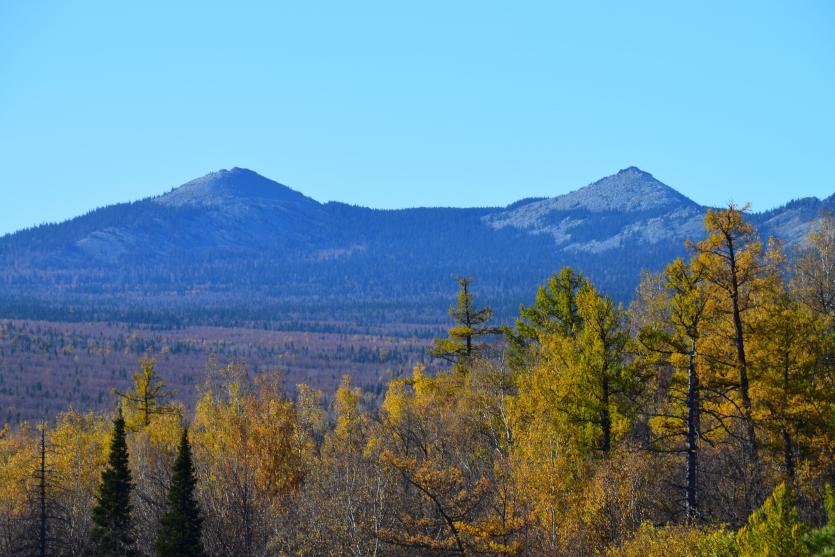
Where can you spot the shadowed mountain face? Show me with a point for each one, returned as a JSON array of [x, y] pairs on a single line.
[[234, 246]]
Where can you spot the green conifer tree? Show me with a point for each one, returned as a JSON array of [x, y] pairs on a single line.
[[553, 312], [773, 530], [181, 526], [112, 534], [470, 324], [821, 541]]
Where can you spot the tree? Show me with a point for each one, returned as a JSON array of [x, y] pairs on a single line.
[[153, 451], [555, 307], [732, 262], [574, 404], [449, 501], [112, 534], [677, 541], [147, 398], [821, 541], [251, 455], [773, 530], [346, 498], [461, 346], [553, 311], [596, 380], [181, 526], [42, 495], [672, 338], [814, 272], [78, 444], [792, 388]]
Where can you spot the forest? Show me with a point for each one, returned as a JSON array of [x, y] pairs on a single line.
[[50, 366], [698, 421]]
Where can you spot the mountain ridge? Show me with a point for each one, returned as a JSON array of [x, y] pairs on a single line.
[[233, 242], [171, 197]]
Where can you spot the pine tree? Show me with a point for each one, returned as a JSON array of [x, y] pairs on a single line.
[[112, 534], [181, 526]]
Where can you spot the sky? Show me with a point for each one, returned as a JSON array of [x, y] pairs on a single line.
[[402, 104]]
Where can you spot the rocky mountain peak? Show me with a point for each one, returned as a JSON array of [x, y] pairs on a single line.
[[230, 188], [635, 207], [631, 190]]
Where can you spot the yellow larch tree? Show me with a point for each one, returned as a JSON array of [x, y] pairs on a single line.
[[447, 502]]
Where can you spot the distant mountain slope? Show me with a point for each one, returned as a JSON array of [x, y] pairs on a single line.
[[610, 214], [234, 246]]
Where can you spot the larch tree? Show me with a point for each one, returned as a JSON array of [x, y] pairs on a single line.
[[596, 378], [795, 382], [774, 529], [148, 397], [732, 262], [574, 404], [814, 271], [672, 339], [112, 534], [471, 324], [554, 311]]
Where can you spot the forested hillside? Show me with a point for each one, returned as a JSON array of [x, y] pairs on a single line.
[[235, 248], [697, 421]]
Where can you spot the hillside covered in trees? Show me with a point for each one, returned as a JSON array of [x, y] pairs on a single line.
[[697, 421], [234, 248]]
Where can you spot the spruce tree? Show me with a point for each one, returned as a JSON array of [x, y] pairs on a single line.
[[181, 525], [112, 534]]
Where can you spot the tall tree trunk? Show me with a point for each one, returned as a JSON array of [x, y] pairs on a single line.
[[788, 445], [788, 455], [42, 490], [742, 363], [605, 417], [693, 434]]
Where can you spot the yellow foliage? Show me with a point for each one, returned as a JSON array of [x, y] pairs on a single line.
[[676, 541], [254, 433], [773, 530], [78, 445]]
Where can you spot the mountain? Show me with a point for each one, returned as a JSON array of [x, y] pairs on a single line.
[[630, 207], [234, 246]]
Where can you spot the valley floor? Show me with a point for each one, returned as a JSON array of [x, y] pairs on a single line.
[[46, 367]]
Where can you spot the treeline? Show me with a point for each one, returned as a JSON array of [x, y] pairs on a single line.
[[700, 421], [22, 339]]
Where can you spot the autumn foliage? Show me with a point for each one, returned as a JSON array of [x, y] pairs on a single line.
[[698, 421]]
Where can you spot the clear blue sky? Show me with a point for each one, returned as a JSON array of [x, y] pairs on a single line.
[[396, 104]]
